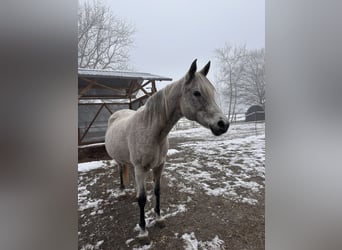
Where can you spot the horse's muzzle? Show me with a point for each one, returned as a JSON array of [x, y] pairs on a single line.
[[220, 128]]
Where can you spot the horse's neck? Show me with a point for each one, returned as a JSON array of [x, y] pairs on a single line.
[[170, 111]]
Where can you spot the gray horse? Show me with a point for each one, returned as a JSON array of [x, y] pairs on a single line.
[[139, 138]]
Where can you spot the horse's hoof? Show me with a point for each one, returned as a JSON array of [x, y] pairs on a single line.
[[160, 222], [144, 241], [143, 237]]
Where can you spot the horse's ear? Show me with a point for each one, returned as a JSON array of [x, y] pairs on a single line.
[[191, 71], [205, 69]]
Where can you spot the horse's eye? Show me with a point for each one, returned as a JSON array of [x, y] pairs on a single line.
[[197, 93]]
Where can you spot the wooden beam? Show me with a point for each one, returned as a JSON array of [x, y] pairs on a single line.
[[140, 98], [131, 87], [91, 123], [108, 108], [83, 91], [102, 85], [143, 85], [139, 86], [103, 97], [116, 103], [146, 93], [107, 87], [154, 89], [142, 88]]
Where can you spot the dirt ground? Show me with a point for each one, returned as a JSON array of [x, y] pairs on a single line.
[[238, 225]]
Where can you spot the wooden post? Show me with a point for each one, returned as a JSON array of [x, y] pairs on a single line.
[[79, 136], [131, 88], [154, 89]]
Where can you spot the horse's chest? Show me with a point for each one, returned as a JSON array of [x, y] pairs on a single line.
[[142, 137], [147, 152]]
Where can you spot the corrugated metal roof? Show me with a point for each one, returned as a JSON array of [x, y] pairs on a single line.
[[101, 73]]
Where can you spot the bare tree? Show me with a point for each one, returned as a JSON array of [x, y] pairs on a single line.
[[231, 73], [104, 40], [254, 89], [241, 77]]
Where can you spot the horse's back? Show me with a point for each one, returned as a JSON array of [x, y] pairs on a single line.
[[120, 114], [116, 135]]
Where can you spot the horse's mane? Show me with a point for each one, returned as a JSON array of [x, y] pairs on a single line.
[[156, 106]]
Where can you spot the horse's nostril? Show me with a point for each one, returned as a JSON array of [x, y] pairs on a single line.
[[220, 124]]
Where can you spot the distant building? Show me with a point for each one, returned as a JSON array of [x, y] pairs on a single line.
[[255, 113]]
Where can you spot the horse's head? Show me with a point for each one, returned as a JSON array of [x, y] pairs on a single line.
[[198, 101]]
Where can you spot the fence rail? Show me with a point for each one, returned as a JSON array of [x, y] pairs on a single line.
[[238, 118]]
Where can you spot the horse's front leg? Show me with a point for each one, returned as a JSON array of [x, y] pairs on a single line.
[[140, 176], [156, 177]]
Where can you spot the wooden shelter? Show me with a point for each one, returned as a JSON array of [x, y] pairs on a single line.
[[255, 113], [102, 92]]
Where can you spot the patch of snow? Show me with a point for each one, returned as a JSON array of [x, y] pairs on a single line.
[[99, 243], [193, 244], [249, 201], [92, 247], [137, 228], [129, 241], [181, 208], [172, 151], [185, 189], [116, 193], [90, 204], [88, 166], [88, 247], [145, 247], [190, 241]]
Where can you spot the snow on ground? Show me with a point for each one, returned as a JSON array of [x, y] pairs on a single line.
[[87, 166], [191, 243], [84, 200], [231, 165], [172, 152], [92, 247], [145, 247]]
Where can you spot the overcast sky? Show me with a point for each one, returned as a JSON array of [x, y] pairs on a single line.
[[172, 33]]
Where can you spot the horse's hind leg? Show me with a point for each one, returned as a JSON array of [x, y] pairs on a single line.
[[156, 176], [140, 176], [122, 185], [124, 176]]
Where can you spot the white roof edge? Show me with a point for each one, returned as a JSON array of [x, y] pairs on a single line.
[[120, 74]]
